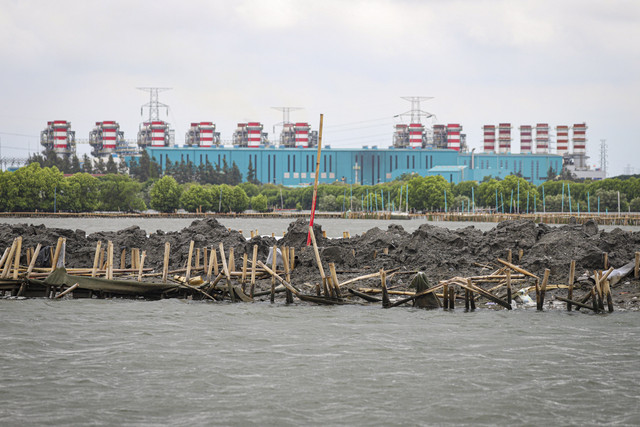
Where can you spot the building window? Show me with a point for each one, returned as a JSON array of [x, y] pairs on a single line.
[[330, 164], [390, 164], [413, 158], [294, 162], [396, 161], [288, 162]]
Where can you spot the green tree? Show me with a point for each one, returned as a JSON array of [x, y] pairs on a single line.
[[250, 188], [120, 193], [165, 194], [111, 168], [259, 203], [634, 205], [327, 203], [251, 173], [81, 193], [194, 198], [426, 193], [240, 200]]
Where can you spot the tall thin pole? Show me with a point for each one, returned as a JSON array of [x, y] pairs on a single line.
[[407, 194], [315, 183], [445, 200], [562, 199]]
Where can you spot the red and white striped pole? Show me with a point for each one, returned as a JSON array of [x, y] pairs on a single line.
[[315, 184]]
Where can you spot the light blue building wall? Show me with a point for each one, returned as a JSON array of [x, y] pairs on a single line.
[[366, 166]]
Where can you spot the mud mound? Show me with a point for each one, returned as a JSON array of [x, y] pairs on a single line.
[[297, 232]]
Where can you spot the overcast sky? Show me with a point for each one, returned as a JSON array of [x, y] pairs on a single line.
[[483, 62]]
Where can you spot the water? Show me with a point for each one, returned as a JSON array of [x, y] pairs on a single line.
[[171, 362]]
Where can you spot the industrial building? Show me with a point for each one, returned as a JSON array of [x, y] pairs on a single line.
[[417, 147]]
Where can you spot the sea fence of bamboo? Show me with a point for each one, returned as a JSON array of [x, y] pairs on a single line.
[[219, 274]]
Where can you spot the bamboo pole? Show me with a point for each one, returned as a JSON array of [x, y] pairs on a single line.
[[231, 263], [5, 255], [225, 269], [607, 292], [244, 269], [334, 279], [34, 257], [165, 262], [254, 260], [109, 269], [518, 269], [509, 287], [210, 264], [572, 275], [292, 258], [319, 261], [385, 294], [315, 185], [70, 289], [205, 260], [274, 259], [189, 257], [216, 271], [636, 270], [197, 266], [285, 262], [543, 288], [123, 257], [445, 299], [280, 279], [141, 267], [16, 263], [56, 254]]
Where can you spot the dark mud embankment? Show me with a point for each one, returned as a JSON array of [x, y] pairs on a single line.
[[439, 252]]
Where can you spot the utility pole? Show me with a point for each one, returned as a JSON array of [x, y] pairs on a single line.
[[154, 105]]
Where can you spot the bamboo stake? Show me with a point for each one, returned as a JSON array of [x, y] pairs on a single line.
[[205, 259], [572, 275], [231, 264], [56, 254], [509, 256], [254, 260], [215, 261], [3, 259], [543, 289], [122, 258], [518, 269], [594, 300], [210, 264], [607, 292], [292, 258], [244, 269], [280, 279], [334, 279], [385, 294], [33, 260], [225, 269], [274, 258], [319, 261], [605, 261], [520, 254], [165, 262], [28, 255], [509, 287], [141, 267], [135, 258], [636, 270], [16, 263], [285, 261], [189, 257], [445, 293], [70, 289], [197, 266], [101, 264], [110, 260]]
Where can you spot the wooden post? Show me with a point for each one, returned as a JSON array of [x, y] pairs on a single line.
[[252, 234], [165, 264], [70, 289], [141, 267], [210, 264], [285, 262], [33, 260], [509, 256], [225, 269], [205, 260], [254, 260], [319, 262], [109, 272], [188, 273], [197, 266], [520, 254], [5, 256], [123, 257], [28, 254], [599, 294], [452, 298], [101, 263], [16, 263], [594, 300], [605, 261], [538, 294], [445, 297], [96, 258], [232, 261], [385, 294], [607, 292], [214, 256], [292, 258], [543, 290], [466, 299], [572, 275], [56, 254], [509, 287], [135, 254], [334, 280], [244, 270], [274, 258], [636, 270]]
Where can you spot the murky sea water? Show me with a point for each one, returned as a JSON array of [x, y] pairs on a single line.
[[171, 362]]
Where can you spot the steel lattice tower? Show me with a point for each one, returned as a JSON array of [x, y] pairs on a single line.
[[154, 105]]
